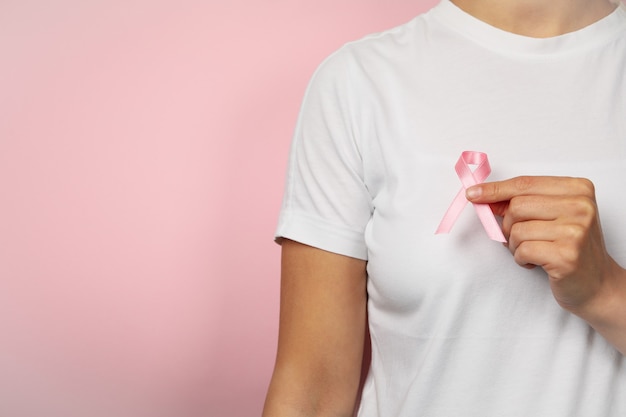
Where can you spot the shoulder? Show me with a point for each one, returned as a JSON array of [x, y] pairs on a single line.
[[374, 50]]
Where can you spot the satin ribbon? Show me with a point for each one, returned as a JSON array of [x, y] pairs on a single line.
[[469, 178]]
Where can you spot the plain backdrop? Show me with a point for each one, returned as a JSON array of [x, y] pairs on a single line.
[[143, 147]]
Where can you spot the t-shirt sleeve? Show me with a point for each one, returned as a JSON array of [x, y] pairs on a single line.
[[326, 203]]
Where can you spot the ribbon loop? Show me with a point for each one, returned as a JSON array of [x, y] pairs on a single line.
[[469, 178]]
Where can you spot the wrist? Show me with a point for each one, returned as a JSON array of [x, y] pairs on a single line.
[[607, 308]]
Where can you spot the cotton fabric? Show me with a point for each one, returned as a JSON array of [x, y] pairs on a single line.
[[457, 327]]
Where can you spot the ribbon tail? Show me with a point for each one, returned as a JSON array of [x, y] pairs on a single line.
[[453, 212], [489, 222]]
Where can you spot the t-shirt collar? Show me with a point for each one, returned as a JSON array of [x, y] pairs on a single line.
[[489, 36]]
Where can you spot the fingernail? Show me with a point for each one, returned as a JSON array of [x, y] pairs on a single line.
[[473, 192]]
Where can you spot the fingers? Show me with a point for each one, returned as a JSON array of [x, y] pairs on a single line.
[[527, 208], [493, 192], [543, 231], [533, 253], [558, 260], [573, 209], [536, 230], [549, 230]]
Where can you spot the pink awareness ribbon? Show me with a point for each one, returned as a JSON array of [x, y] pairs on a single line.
[[469, 178]]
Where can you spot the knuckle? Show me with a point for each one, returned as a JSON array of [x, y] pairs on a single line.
[[585, 208], [520, 207], [493, 189], [516, 230], [514, 205], [586, 187], [517, 204], [575, 232], [523, 183], [557, 274], [522, 253]]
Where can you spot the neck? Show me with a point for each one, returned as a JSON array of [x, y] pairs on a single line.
[[538, 18]]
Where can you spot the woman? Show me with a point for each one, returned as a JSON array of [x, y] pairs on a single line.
[[457, 328]]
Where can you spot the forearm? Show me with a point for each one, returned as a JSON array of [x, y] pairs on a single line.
[[308, 385], [606, 313], [310, 388], [286, 399], [281, 409]]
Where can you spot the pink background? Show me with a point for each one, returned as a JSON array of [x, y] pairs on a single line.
[[143, 147]]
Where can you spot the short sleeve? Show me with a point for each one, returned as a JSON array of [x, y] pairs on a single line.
[[326, 203]]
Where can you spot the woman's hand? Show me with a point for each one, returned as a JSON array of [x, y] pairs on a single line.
[[553, 222]]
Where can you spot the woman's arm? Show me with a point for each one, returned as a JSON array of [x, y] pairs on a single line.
[[322, 328]]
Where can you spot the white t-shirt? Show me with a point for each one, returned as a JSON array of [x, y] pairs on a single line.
[[457, 327]]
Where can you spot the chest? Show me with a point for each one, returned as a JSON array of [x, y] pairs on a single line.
[[529, 120]]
